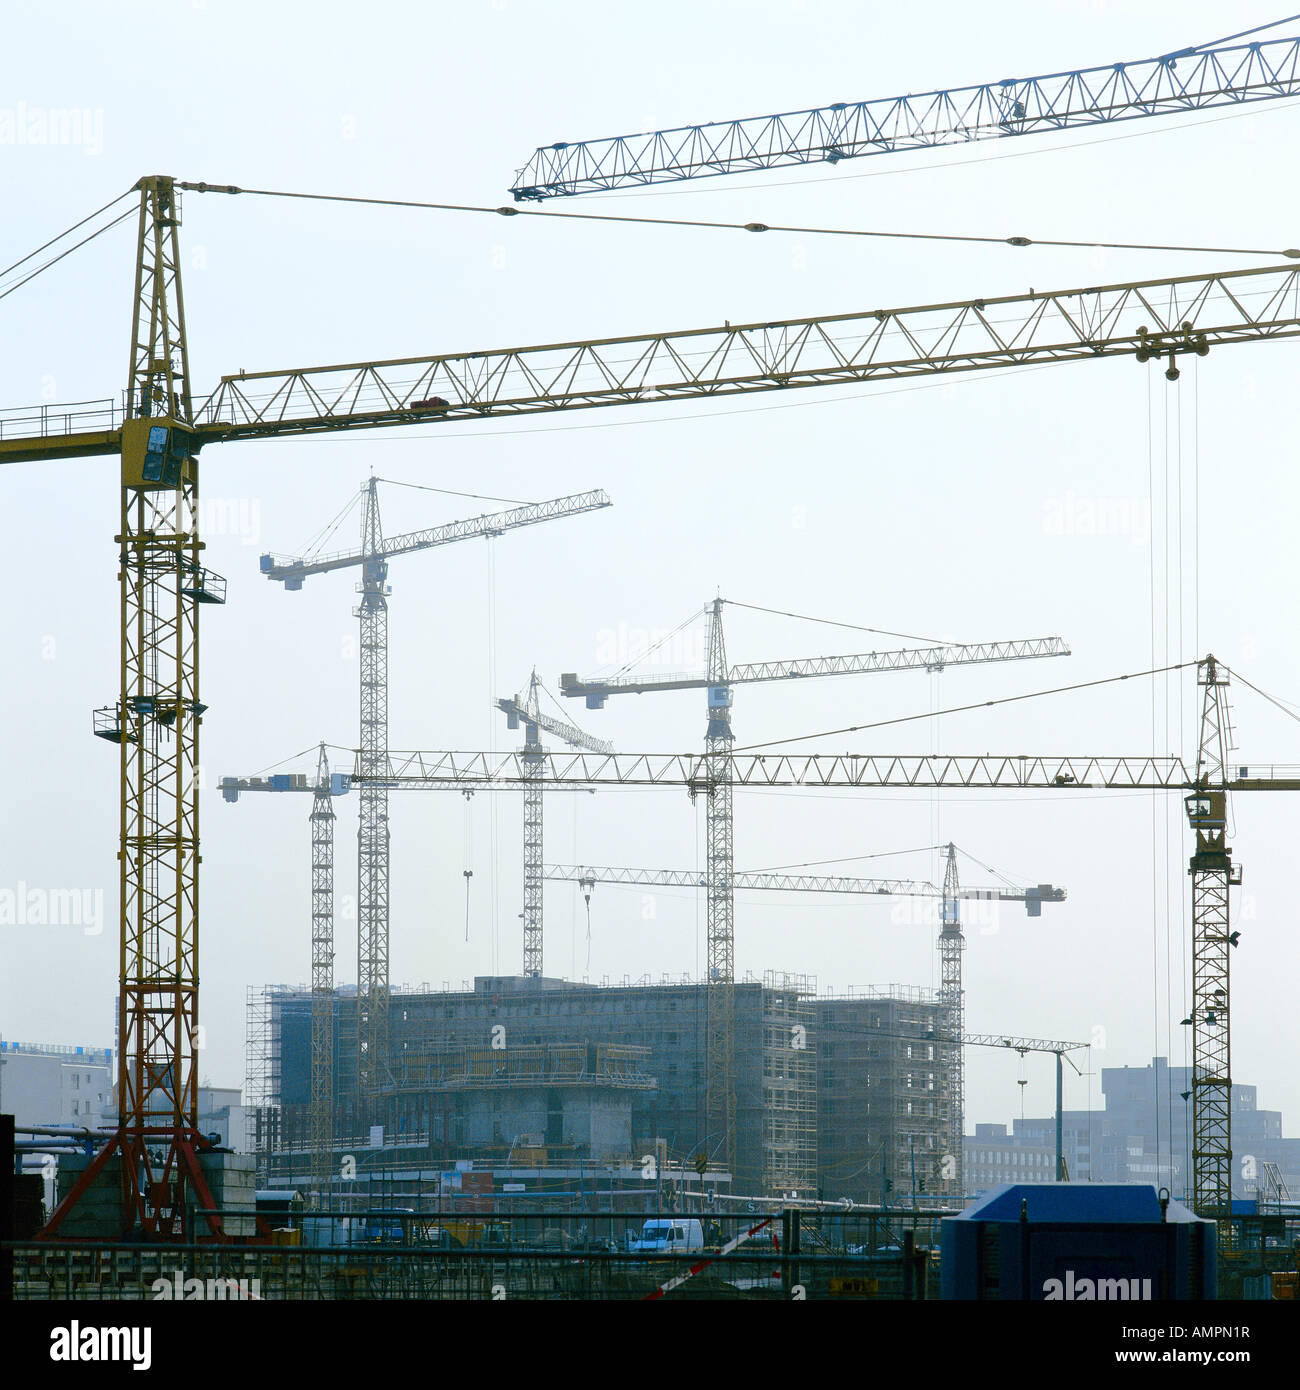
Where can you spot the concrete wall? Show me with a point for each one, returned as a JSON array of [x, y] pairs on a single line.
[[44, 1089], [598, 1120]]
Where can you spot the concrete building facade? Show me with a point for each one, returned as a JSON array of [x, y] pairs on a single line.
[[53, 1084], [776, 1117], [835, 1095], [886, 1117]]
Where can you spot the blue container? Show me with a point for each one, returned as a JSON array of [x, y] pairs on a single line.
[[1077, 1242]]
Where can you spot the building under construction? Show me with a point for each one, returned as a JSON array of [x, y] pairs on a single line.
[[544, 1073]]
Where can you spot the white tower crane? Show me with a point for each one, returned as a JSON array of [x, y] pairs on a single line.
[[372, 835]]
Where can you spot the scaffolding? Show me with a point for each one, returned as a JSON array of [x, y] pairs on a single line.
[[262, 1068], [552, 1064], [789, 1085], [886, 1094]]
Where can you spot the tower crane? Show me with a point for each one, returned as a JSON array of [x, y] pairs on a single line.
[[320, 1109], [157, 437], [1022, 1045], [1059, 1050], [1207, 783], [1192, 79], [372, 834], [1212, 873], [951, 942], [527, 711], [718, 679]]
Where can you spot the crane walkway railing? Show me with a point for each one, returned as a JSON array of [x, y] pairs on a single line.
[[61, 418]]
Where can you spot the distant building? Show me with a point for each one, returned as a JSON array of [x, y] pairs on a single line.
[[1144, 1135], [53, 1084], [222, 1114], [993, 1157]]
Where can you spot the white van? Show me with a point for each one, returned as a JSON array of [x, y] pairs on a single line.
[[668, 1236]]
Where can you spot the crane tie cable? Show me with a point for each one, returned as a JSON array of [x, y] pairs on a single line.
[[1292, 253], [66, 232], [857, 627], [960, 709], [54, 260]]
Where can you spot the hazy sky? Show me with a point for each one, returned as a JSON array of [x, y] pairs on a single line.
[[957, 509]]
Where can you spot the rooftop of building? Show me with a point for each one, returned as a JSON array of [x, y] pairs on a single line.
[[100, 1055]]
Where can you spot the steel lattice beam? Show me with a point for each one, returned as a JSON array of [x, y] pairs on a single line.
[[372, 830], [757, 770], [903, 659], [488, 525], [1213, 874], [780, 883], [838, 349], [533, 851], [1206, 311], [156, 725], [720, 907], [1192, 80]]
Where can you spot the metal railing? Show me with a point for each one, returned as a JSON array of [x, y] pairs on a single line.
[[573, 1257], [66, 417]]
